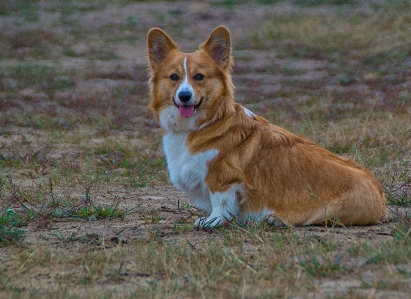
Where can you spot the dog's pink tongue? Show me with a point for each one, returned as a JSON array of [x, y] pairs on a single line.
[[186, 111]]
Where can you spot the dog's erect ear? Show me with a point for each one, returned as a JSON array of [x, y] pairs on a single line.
[[159, 46], [218, 46]]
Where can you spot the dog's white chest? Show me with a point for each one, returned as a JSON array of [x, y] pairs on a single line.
[[187, 171]]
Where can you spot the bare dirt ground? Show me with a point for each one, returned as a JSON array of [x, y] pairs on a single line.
[[100, 121]]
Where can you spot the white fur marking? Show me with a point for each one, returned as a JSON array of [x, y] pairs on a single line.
[[248, 113], [256, 216], [171, 121], [185, 71], [224, 207], [187, 171], [185, 86]]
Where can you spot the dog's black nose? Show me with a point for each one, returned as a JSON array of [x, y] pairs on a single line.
[[184, 96]]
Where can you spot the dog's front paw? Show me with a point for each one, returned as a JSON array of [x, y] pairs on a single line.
[[209, 222]]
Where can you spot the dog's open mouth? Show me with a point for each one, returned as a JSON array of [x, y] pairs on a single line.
[[187, 111]]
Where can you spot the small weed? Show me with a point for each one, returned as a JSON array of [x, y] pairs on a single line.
[[11, 218], [116, 274], [90, 211], [63, 239], [403, 229], [321, 268], [404, 272], [340, 149], [182, 227], [152, 216], [99, 212], [9, 233]]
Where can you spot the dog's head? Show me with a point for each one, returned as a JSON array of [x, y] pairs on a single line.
[[190, 90]]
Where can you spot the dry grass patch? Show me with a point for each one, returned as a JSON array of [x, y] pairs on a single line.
[[368, 30], [254, 262]]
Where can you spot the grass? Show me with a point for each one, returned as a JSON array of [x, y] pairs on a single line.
[[323, 2], [41, 77], [270, 260], [43, 207], [86, 210], [336, 34], [9, 231], [398, 189]]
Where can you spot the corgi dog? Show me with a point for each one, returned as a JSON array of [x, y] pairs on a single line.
[[238, 166]]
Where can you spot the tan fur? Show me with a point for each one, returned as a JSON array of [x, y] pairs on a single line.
[[299, 180]]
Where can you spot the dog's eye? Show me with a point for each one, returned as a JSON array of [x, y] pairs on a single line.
[[174, 77], [198, 77]]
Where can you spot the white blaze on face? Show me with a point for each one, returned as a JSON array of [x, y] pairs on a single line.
[[185, 86], [185, 108]]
